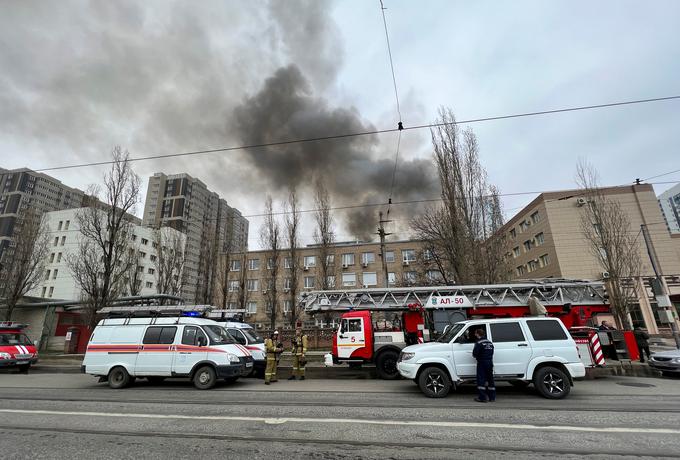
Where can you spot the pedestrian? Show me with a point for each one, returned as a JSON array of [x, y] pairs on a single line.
[[299, 354], [272, 348], [483, 353], [642, 340]]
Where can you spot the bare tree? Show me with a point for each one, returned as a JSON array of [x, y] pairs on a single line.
[[241, 295], [614, 244], [100, 264], [293, 240], [270, 237], [170, 261], [324, 237], [23, 262], [134, 276], [460, 233]]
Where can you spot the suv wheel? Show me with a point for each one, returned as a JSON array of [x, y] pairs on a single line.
[[552, 383], [205, 378], [119, 378], [386, 365], [434, 382]]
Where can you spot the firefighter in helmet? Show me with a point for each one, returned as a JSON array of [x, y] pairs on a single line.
[[299, 352], [272, 347]]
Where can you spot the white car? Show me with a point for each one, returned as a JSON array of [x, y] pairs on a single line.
[[122, 349], [245, 335], [534, 350]]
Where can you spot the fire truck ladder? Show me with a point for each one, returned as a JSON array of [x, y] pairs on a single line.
[[548, 292]]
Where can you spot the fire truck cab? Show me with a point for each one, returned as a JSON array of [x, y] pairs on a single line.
[[16, 349]]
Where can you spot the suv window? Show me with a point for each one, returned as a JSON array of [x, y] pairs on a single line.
[[469, 335], [546, 330], [157, 334], [507, 332], [236, 334], [191, 334]]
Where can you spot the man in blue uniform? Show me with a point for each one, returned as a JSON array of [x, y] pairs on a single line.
[[483, 353]]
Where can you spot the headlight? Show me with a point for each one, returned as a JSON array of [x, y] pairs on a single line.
[[405, 356], [5, 355], [233, 358]]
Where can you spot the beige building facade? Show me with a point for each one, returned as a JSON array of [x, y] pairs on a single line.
[[352, 265], [545, 240]]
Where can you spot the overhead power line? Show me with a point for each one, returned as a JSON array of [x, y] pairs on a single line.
[[662, 175], [365, 133]]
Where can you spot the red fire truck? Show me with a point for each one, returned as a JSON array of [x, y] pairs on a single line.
[[377, 323], [16, 349]]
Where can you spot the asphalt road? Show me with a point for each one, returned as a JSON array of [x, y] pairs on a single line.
[[72, 416]]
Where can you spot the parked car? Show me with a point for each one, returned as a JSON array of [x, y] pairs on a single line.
[[246, 335], [534, 350], [16, 349], [123, 349], [668, 362]]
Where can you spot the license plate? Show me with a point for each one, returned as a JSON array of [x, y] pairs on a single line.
[[22, 362], [249, 364]]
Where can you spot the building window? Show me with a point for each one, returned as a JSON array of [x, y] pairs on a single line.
[[44, 289], [367, 258], [142, 254], [68, 222], [56, 240], [151, 271], [532, 265], [152, 258], [545, 260], [330, 259], [140, 269], [310, 261], [349, 279], [54, 275], [63, 240], [232, 305], [389, 256], [408, 255], [287, 262], [145, 241], [235, 266], [61, 223], [330, 281], [252, 285], [309, 282], [233, 285], [369, 278], [47, 274], [391, 278], [409, 277], [51, 291], [536, 217], [134, 237], [540, 239], [253, 264], [149, 284], [348, 259], [270, 263], [513, 233], [59, 257], [521, 270], [251, 307], [515, 251], [52, 258], [527, 245], [427, 255], [434, 276], [287, 306], [287, 283]]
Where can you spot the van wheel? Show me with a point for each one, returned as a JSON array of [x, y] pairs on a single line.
[[434, 382], [386, 365], [552, 383], [119, 378], [205, 378]]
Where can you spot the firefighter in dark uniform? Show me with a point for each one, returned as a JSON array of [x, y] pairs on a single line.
[[272, 349], [299, 352], [483, 353]]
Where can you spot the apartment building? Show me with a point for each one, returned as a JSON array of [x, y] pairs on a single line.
[[352, 265], [545, 240], [64, 240], [185, 204], [669, 201], [23, 189]]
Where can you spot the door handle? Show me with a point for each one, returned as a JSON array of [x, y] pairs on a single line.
[[522, 345]]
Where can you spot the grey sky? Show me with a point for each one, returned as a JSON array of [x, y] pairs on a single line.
[[159, 77]]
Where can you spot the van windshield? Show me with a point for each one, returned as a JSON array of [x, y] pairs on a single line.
[[218, 335], [252, 336], [451, 333]]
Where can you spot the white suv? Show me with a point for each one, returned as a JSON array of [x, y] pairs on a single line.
[[534, 350]]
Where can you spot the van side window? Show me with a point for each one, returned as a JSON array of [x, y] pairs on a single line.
[[506, 332], [236, 334], [546, 330], [160, 334], [191, 334]]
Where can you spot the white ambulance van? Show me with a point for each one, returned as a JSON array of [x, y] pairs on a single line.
[[123, 349], [246, 335]]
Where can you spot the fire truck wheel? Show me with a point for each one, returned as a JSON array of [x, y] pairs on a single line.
[[434, 383], [118, 378], [552, 383], [386, 365], [205, 378]]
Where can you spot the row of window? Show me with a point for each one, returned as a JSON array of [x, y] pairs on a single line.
[[529, 244], [408, 255], [61, 224], [56, 240], [534, 265], [524, 225]]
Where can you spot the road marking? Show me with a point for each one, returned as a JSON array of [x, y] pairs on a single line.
[[281, 420]]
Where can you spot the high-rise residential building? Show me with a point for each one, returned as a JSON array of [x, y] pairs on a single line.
[[210, 224], [23, 189], [545, 240], [670, 208], [64, 239]]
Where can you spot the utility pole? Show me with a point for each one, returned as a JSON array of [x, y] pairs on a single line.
[[382, 235], [659, 288]]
